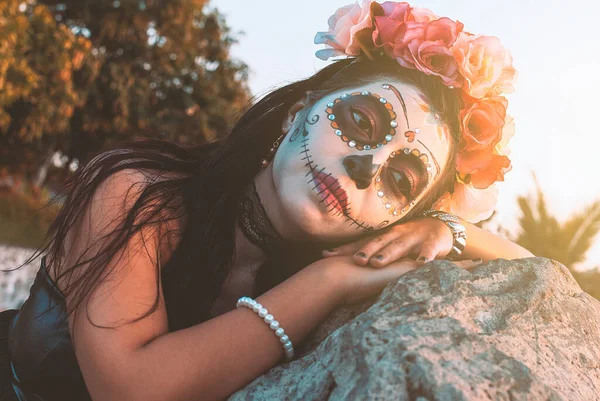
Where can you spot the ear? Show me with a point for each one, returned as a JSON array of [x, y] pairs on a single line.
[[294, 112]]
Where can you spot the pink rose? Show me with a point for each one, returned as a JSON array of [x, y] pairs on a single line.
[[430, 53], [343, 26], [391, 26], [485, 65], [424, 15], [397, 11]]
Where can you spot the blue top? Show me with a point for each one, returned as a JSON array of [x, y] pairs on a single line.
[[40, 348]]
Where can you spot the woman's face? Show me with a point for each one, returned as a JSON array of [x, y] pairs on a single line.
[[359, 159]]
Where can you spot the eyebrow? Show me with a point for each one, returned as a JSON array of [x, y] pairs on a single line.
[[402, 102], [437, 166]]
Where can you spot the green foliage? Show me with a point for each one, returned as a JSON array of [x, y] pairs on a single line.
[[543, 235], [566, 242], [111, 70], [24, 218], [39, 61]]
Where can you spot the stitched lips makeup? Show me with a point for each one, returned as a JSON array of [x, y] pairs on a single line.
[[330, 191]]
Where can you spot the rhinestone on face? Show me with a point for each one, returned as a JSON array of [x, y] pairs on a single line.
[[379, 145], [377, 179], [380, 193], [331, 117], [352, 144], [388, 205], [394, 123], [367, 147], [366, 93], [436, 116], [428, 168], [392, 154], [407, 151], [383, 100], [338, 132], [395, 213], [385, 86], [388, 137], [417, 130], [330, 104], [344, 96]]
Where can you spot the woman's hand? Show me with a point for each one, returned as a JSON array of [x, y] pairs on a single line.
[[426, 239], [358, 283]]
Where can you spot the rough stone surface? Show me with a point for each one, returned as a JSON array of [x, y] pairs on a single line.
[[15, 285], [508, 330]]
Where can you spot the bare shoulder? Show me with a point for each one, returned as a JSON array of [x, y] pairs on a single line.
[[107, 212]]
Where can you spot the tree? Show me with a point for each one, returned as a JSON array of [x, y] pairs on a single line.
[[151, 68], [543, 235], [44, 69]]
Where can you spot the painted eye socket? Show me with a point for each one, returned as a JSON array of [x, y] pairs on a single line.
[[403, 177], [363, 122]]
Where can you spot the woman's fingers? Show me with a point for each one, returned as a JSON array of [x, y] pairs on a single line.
[[394, 250], [373, 248], [428, 252], [346, 249], [363, 250]]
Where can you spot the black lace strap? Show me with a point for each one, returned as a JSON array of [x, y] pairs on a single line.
[[254, 221]]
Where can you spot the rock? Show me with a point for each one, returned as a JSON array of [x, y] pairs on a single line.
[[15, 285], [507, 330]]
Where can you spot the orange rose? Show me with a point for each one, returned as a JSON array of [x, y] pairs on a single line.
[[482, 121], [494, 171], [483, 167]]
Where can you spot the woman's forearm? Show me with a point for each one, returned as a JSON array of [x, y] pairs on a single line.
[[487, 246], [215, 358]]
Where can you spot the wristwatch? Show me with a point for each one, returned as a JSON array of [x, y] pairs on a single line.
[[459, 232]]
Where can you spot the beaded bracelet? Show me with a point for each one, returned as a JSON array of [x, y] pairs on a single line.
[[273, 324]]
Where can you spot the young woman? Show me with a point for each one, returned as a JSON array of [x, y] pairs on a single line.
[[319, 197]]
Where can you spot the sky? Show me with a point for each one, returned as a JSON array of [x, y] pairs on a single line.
[[555, 47]]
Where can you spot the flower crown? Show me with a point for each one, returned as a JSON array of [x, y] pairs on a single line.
[[418, 39]]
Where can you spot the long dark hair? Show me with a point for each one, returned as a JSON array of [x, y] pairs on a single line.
[[205, 185]]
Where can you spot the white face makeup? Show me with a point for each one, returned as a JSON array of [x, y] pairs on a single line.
[[360, 159]]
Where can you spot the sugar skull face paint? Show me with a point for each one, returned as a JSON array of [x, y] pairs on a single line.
[[359, 160]]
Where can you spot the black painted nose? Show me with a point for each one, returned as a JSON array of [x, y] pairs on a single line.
[[361, 169]]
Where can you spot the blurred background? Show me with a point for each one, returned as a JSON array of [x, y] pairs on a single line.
[[78, 75]]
